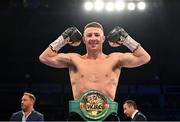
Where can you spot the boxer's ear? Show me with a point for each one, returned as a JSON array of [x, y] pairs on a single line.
[[104, 38], [83, 39]]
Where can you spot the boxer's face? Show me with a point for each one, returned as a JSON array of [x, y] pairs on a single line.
[[127, 110], [26, 102], [93, 38]]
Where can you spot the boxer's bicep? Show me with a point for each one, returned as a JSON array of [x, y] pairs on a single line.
[[129, 60], [60, 60]]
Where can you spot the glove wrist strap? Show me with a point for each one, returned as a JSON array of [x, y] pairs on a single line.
[[58, 43], [131, 43]]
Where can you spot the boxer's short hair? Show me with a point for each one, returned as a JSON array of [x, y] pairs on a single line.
[[94, 24]]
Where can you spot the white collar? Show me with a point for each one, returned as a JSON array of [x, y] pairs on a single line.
[[134, 113], [27, 114]]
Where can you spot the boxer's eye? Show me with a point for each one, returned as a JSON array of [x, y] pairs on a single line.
[[97, 34], [89, 35]]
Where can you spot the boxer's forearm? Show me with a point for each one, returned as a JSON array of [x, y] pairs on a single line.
[[47, 54], [142, 54], [70, 35], [53, 49]]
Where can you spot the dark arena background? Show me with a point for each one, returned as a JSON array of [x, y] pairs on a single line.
[[29, 26]]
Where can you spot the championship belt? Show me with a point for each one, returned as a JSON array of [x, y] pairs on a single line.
[[93, 106]]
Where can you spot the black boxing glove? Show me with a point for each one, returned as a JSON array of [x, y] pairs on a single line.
[[71, 35], [119, 36]]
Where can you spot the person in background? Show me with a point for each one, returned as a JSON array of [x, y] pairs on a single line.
[[130, 109], [28, 113]]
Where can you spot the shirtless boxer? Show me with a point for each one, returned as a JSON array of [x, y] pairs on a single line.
[[94, 73]]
